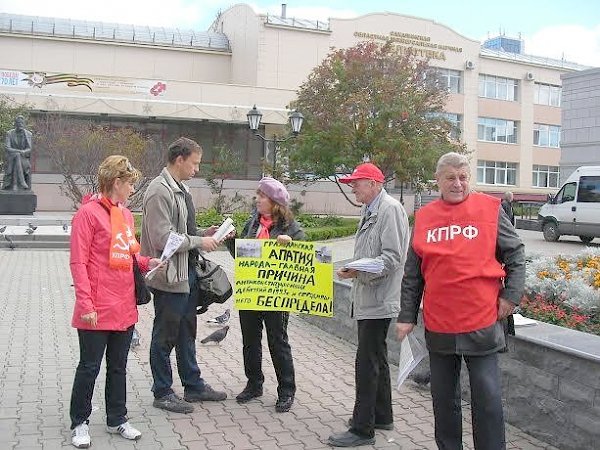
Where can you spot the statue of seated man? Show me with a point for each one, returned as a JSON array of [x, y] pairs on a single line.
[[17, 166]]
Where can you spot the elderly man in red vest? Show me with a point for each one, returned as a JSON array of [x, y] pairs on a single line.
[[467, 264]]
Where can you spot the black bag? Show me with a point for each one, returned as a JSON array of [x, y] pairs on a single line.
[[213, 286], [142, 293]]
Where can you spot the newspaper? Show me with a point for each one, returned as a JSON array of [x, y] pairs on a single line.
[[370, 265], [412, 352], [225, 228], [521, 321], [173, 243]]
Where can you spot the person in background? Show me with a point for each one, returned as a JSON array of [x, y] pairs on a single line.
[[272, 219], [508, 207], [103, 246], [383, 234], [168, 208], [466, 263]]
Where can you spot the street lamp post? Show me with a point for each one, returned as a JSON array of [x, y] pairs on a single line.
[[254, 117]]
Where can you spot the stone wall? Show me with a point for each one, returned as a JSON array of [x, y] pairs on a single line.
[[551, 376]]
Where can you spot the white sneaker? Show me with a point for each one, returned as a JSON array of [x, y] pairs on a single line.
[[80, 436], [126, 430]]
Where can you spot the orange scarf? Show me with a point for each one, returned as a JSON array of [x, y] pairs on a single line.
[[265, 224], [122, 242]]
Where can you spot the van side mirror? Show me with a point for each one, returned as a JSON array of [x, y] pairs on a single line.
[[550, 198]]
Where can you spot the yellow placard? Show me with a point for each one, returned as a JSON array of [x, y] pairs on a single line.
[[297, 277]]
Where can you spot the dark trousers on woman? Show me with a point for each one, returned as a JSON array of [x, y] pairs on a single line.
[[175, 326], [281, 353], [486, 401], [92, 345], [372, 376]]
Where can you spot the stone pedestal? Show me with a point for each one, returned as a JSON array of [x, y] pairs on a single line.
[[17, 202]]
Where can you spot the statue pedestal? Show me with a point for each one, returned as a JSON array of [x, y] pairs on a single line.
[[17, 202]]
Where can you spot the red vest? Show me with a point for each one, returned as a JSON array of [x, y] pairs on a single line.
[[457, 247]]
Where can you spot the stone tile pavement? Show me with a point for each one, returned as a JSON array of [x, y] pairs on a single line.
[[39, 352]]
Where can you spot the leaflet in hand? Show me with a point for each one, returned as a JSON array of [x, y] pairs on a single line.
[[173, 243], [225, 228], [371, 265], [521, 321], [412, 352]]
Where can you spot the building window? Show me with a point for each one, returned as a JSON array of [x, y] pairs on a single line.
[[455, 121], [498, 87], [545, 176], [497, 130], [547, 94], [449, 79], [546, 135], [496, 172]]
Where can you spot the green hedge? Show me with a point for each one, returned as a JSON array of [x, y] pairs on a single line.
[[317, 228]]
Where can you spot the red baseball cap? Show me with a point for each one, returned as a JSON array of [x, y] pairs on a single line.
[[366, 171]]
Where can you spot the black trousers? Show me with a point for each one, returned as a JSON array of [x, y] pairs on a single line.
[[486, 401], [92, 344], [373, 402], [276, 323]]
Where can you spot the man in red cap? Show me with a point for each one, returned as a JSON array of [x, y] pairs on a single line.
[[383, 234]]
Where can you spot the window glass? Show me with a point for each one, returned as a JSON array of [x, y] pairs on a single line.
[[589, 190]]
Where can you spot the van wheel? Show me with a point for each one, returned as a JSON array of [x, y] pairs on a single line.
[[586, 239], [551, 233]]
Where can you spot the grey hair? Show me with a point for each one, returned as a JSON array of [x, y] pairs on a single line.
[[508, 196], [452, 159]]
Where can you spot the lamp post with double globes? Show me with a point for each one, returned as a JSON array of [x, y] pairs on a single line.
[[254, 117]]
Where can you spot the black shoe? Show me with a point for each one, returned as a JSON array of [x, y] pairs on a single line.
[[173, 403], [349, 439], [284, 404], [378, 426], [248, 394], [207, 394]]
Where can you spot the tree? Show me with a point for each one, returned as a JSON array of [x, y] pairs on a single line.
[[9, 109], [225, 165], [371, 102], [76, 148]]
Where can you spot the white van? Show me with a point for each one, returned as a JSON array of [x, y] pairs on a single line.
[[575, 209]]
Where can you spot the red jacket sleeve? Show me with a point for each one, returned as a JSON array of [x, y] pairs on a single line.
[[82, 232]]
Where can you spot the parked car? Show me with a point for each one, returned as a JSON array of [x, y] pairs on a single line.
[[575, 209]]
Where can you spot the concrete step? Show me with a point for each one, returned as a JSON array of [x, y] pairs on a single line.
[[34, 245]]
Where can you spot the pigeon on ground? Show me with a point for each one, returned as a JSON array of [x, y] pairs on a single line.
[[222, 319], [32, 226], [11, 244], [29, 231], [3, 229], [217, 336], [65, 227]]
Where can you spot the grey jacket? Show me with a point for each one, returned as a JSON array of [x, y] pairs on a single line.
[[165, 211], [385, 236]]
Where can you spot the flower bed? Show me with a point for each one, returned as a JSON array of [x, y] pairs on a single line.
[[564, 291]]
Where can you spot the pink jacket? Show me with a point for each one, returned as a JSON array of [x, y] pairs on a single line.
[[99, 288]]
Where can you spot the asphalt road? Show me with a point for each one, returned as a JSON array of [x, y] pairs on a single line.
[[566, 245]]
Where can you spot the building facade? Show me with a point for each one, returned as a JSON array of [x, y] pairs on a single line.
[[580, 141], [168, 83]]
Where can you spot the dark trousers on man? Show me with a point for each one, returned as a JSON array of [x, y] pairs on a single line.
[[486, 401], [372, 376], [175, 326], [92, 344], [276, 323]]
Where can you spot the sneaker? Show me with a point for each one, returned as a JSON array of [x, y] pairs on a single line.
[[284, 404], [173, 403], [248, 394], [125, 430], [207, 394], [80, 436]]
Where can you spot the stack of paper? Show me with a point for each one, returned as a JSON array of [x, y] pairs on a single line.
[[521, 321], [225, 228], [411, 354], [370, 265]]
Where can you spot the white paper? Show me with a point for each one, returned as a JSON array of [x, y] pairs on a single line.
[[225, 228], [521, 321], [173, 243], [371, 265], [412, 351]]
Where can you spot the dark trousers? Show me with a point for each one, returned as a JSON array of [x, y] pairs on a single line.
[[276, 323], [175, 326], [373, 402], [486, 401], [92, 344]]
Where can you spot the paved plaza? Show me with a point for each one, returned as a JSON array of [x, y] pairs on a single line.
[[39, 353]]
